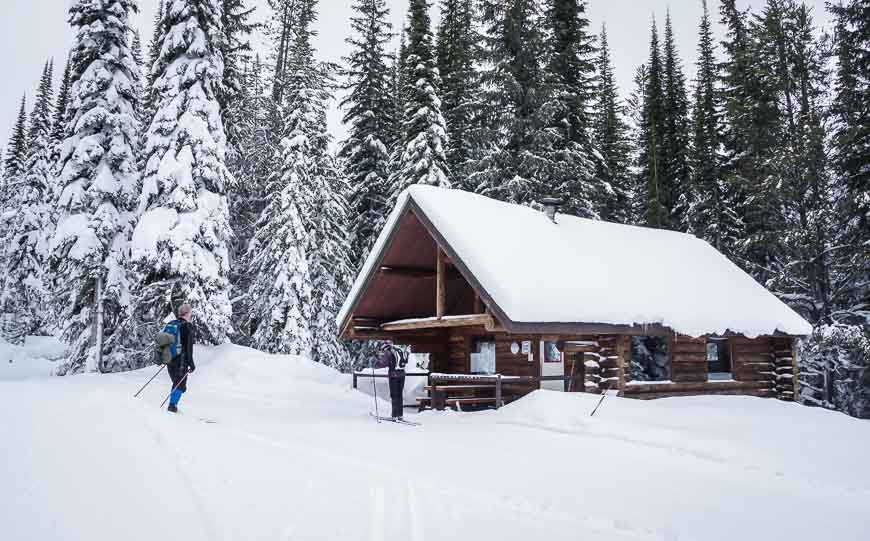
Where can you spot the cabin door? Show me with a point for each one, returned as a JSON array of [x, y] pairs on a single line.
[[553, 364]]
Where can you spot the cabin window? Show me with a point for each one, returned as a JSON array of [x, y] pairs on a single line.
[[650, 358], [483, 358], [718, 358]]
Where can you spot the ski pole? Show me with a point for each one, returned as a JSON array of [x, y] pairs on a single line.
[[603, 395], [149, 381], [375, 393], [177, 385]]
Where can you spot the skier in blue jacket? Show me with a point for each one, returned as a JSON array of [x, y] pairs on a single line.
[[182, 364]]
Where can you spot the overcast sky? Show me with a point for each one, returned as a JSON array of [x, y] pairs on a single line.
[[32, 31]]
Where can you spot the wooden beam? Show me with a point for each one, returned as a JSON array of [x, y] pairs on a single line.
[[410, 272], [441, 285], [431, 323]]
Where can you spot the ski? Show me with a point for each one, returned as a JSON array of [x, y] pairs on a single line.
[[397, 421]]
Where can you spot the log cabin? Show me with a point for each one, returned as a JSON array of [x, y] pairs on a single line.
[[506, 299]]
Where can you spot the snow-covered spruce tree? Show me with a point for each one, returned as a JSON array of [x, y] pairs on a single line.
[[98, 182], [751, 126], [635, 114], [58, 123], [148, 98], [22, 292], [367, 106], [835, 369], [457, 49], [16, 150], [570, 155], [282, 251], [850, 113], [611, 137], [236, 48], [179, 245], [655, 197], [397, 80], [420, 156], [711, 209], [676, 136], [513, 79], [251, 164]]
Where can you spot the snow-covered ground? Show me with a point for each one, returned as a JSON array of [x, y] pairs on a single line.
[[294, 455]]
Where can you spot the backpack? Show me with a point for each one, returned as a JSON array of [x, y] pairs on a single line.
[[166, 343], [401, 358]]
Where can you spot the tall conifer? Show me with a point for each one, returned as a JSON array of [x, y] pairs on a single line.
[[98, 182], [367, 107], [420, 156]]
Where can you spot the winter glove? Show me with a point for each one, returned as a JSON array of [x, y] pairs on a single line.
[[191, 369]]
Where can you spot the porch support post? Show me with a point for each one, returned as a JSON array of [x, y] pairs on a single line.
[[441, 285]]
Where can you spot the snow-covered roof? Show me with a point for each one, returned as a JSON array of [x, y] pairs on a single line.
[[587, 271]]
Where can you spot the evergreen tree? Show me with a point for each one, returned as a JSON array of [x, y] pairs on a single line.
[[798, 190], [25, 234], [654, 189], [298, 256], [16, 152], [99, 181], [513, 134], [367, 113], [149, 98], [611, 138], [251, 166], [397, 82], [635, 113], [420, 155], [180, 243], [457, 49], [712, 213], [571, 156], [850, 113], [236, 47], [751, 125], [675, 137], [60, 108]]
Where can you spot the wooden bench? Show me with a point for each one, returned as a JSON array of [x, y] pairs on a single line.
[[458, 387], [459, 402]]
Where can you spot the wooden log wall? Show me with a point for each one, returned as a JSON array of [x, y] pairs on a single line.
[[785, 369], [608, 361], [623, 352], [688, 359], [752, 361], [459, 354]]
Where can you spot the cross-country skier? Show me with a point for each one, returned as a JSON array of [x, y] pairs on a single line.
[[182, 364], [394, 359]]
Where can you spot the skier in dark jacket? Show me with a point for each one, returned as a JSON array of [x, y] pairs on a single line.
[[395, 360], [182, 364]]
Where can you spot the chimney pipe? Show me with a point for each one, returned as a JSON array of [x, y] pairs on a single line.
[[551, 206]]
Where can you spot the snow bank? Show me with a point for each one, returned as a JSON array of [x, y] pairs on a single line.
[[37, 357], [580, 270]]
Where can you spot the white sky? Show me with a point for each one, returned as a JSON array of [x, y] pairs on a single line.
[[33, 30]]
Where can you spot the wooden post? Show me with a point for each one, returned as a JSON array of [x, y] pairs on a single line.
[[354, 380], [497, 391], [441, 285]]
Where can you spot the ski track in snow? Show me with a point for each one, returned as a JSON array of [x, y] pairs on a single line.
[[295, 456]]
